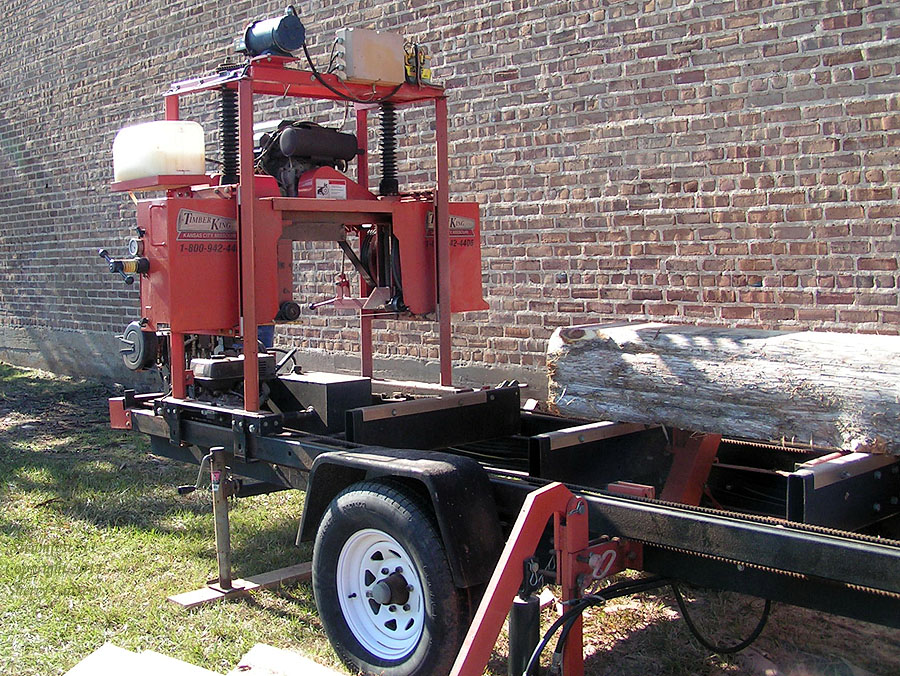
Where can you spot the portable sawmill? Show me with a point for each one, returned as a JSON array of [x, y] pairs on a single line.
[[431, 507]]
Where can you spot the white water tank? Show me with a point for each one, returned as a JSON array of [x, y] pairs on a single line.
[[162, 148]]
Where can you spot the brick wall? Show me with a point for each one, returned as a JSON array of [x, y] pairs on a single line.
[[722, 162]]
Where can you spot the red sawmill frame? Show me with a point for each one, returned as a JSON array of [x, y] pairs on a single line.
[[270, 75]]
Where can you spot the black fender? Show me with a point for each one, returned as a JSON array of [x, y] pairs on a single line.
[[459, 490]]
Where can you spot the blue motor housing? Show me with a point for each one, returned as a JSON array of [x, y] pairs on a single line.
[[279, 36]]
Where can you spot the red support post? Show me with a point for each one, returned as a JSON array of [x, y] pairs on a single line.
[[571, 535], [539, 506], [172, 107], [362, 177], [442, 240], [246, 213], [176, 365]]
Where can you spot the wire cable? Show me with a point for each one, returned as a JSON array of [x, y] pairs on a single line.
[[578, 606], [345, 96], [709, 645]]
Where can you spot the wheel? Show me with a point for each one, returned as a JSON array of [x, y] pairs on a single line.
[[383, 586]]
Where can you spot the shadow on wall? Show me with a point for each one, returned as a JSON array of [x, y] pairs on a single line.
[[85, 354], [94, 354]]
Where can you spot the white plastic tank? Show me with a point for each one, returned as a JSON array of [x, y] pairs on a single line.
[[162, 148]]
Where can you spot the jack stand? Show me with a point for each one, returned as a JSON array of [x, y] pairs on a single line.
[[225, 587], [222, 489]]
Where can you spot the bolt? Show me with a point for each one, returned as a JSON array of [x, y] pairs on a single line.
[[368, 594], [406, 607], [409, 588], [393, 411], [895, 500], [253, 429], [895, 469], [877, 475], [398, 569], [385, 571], [876, 507], [740, 567], [392, 608]]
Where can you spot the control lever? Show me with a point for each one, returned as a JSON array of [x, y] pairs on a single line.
[[116, 266], [131, 266]]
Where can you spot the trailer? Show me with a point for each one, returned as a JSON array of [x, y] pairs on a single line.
[[432, 506]]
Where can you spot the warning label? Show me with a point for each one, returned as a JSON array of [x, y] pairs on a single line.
[[331, 189], [193, 225]]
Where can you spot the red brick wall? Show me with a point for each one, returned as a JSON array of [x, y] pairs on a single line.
[[725, 162]]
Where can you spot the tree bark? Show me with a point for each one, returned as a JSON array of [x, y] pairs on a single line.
[[837, 390]]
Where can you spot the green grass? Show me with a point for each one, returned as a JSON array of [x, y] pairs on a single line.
[[93, 538]]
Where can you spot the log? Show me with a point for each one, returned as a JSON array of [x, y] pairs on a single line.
[[835, 390]]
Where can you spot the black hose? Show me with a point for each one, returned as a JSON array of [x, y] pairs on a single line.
[[567, 619], [709, 645]]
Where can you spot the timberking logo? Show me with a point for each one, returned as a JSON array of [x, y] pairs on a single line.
[[200, 225], [460, 226]]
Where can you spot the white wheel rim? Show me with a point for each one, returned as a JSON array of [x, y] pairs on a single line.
[[390, 631]]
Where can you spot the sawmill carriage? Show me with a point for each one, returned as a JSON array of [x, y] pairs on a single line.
[[431, 506]]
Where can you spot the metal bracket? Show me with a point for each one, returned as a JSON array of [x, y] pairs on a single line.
[[172, 415], [246, 427], [532, 580]]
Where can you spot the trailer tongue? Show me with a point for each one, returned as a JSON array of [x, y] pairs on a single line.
[[431, 506]]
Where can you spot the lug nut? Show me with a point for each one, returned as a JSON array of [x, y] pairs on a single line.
[[398, 569], [368, 594], [385, 571], [409, 588], [406, 606], [392, 608]]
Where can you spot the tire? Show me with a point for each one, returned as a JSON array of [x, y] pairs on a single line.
[[408, 621]]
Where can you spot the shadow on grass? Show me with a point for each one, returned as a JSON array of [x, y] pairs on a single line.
[[21, 387], [127, 490]]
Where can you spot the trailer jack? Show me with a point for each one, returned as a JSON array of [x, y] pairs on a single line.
[[225, 587]]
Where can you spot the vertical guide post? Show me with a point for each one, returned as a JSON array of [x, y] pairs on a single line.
[[176, 339], [219, 482], [246, 211], [362, 177], [442, 240]]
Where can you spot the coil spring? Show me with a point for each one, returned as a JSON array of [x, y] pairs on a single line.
[[228, 131], [389, 184]]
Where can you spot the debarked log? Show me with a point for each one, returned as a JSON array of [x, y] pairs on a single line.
[[837, 390]]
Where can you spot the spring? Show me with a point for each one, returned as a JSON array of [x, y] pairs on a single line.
[[389, 184], [228, 131]]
